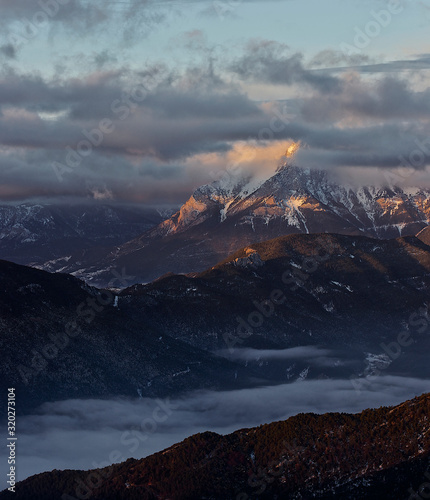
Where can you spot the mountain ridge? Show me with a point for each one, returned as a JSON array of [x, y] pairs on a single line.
[[229, 214], [50, 234], [378, 453], [60, 339]]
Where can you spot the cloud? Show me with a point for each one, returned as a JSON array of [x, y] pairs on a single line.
[[389, 98], [104, 58], [382, 146], [83, 434], [267, 61], [25, 20], [8, 51], [356, 63], [302, 352], [159, 120], [328, 58], [171, 128], [147, 111]]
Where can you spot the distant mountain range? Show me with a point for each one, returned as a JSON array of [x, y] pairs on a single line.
[[350, 295], [381, 453], [41, 234], [232, 213]]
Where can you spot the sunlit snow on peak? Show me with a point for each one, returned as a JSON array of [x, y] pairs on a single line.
[[292, 149]]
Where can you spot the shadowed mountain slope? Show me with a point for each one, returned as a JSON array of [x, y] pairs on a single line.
[[61, 339]]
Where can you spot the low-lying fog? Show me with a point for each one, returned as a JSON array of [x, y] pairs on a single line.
[[84, 434]]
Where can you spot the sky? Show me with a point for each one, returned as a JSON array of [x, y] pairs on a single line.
[[143, 101]]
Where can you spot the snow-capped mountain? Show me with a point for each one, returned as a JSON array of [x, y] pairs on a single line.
[[231, 213], [304, 201], [34, 234]]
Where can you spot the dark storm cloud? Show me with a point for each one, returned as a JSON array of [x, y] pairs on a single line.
[[383, 146], [187, 106], [193, 94], [151, 144], [29, 174], [156, 116], [82, 434], [267, 61], [34, 93], [389, 98]]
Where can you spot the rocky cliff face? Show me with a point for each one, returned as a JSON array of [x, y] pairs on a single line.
[[304, 200]]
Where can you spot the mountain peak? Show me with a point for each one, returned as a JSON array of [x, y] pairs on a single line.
[[288, 159], [237, 211], [293, 149]]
